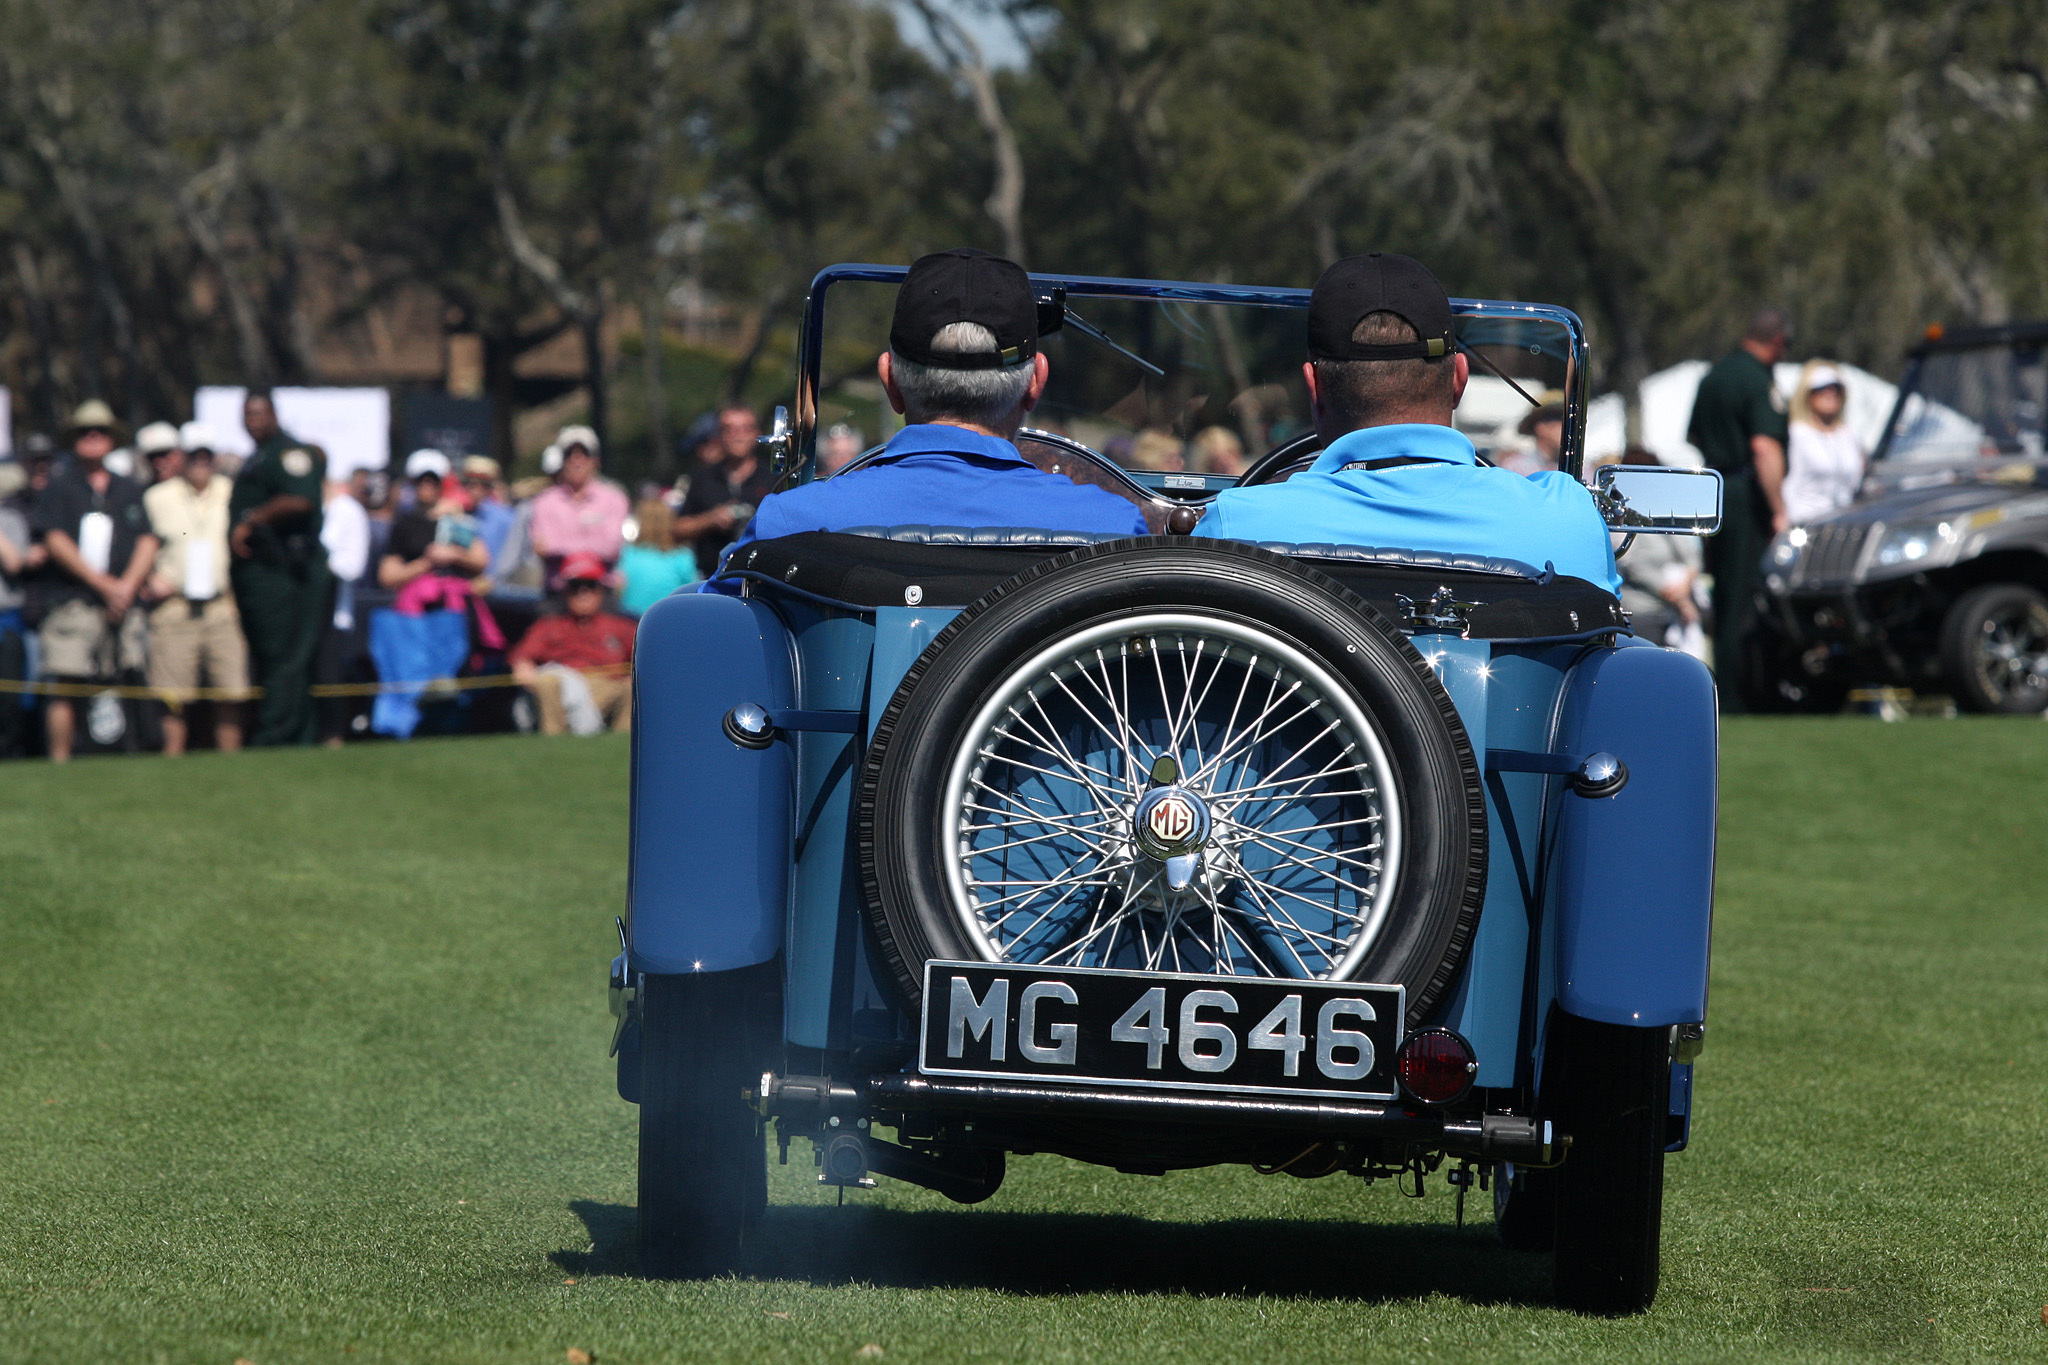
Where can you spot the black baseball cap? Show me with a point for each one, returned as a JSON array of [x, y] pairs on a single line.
[[1381, 282], [965, 285]]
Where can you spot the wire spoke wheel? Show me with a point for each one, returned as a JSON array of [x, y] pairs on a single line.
[[1156, 757], [1173, 792]]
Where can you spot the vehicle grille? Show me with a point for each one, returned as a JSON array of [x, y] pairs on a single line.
[[1831, 555]]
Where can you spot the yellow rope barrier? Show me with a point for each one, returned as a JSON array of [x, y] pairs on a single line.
[[431, 686]]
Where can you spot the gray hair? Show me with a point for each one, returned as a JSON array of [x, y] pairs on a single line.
[[982, 397]]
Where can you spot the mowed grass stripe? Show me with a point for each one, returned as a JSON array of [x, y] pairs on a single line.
[[304, 1062]]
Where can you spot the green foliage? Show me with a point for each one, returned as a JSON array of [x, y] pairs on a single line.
[[187, 186]]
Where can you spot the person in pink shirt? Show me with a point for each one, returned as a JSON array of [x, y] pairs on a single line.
[[582, 514]]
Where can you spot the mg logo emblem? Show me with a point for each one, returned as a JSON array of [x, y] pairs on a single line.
[[1171, 821]]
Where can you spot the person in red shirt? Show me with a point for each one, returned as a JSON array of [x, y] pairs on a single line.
[[577, 665]]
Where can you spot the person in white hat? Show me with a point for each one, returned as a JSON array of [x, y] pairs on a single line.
[[582, 513], [161, 452], [1825, 456]]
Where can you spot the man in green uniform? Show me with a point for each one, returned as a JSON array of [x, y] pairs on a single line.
[[1738, 423], [279, 571]]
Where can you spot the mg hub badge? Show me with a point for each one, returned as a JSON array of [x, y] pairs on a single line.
[[1171, 821]]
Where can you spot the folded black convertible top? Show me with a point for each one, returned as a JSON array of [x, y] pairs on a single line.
[[943, 567]]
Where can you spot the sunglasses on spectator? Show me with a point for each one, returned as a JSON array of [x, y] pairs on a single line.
[[586, 585]]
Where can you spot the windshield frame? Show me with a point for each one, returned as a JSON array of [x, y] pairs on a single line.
[[810, 339], [2008, 337]]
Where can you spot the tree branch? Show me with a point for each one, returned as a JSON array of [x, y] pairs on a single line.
[[1005, 202]]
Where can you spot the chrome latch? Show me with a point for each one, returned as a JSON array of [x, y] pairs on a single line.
[[1442, 612], [1687, 1040]]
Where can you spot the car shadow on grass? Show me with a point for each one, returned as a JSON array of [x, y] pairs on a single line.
[[1049, 1253]]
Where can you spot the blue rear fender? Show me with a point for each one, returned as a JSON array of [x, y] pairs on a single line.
[[1634, 872], [708, 886]]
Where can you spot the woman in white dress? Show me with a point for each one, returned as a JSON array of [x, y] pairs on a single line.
[[1826, 458]]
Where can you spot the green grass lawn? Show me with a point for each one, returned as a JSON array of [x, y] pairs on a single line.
[[305, 1062]]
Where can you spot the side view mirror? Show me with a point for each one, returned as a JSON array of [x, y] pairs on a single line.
[[779, 445], [1655, 500]]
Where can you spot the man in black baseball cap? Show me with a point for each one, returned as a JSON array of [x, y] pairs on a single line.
[[1385, 374], [963, 367]]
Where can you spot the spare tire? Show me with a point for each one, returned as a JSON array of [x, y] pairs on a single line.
[[1181, 756]]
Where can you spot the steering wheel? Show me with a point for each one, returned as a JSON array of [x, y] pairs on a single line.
[[1288, 458]]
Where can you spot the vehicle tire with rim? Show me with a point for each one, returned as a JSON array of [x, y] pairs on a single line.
[[1994, 648], [1169, 756], [703, 1159], [1609, 1089]]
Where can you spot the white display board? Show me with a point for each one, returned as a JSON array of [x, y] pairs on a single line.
[[352, 425]]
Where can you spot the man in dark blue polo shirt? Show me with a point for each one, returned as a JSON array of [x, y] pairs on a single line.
[[963, 367]]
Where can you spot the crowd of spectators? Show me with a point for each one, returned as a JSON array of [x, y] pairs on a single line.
[[123, 565]]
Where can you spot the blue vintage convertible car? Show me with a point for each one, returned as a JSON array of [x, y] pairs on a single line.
[[1160, 852]]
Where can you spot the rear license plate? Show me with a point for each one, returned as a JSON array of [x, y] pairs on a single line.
[[1221, 1033]]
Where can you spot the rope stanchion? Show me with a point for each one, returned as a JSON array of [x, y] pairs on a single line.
[[362, 689]]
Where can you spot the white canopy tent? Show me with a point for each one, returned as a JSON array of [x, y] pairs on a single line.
[[1666, 399]]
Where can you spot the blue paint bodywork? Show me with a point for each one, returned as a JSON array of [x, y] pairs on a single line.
[[710, 832], [740, 855], [1635, 871]]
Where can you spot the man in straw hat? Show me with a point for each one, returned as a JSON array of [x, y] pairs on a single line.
[[92, 523]]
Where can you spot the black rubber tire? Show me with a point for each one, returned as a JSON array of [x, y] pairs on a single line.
[[1962, 630], [1610, 1090], [703, 1159], [1443, 877]]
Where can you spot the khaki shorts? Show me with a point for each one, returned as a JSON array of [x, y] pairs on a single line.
[[183, 651], [80, 642]]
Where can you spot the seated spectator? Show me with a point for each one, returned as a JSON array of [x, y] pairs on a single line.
[[577, 665], [582, 514], [652, 565], [162, 454], [1660, 583], [1384, 378], [1217, 450], [963, 367], [1157, 450], [727, 483], [1544, 426], [839, 447], [435, 549], [483, 488], [92, 524], [195, 633]]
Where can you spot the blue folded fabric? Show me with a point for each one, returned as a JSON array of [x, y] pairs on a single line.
[[414, 650]]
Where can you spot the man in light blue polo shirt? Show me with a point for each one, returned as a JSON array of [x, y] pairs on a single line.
[[1384, 376], [963, 367]]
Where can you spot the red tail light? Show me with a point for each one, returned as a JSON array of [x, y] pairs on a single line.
[[1436, 1066]]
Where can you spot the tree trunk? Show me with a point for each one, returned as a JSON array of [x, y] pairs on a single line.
[[652, 311]]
